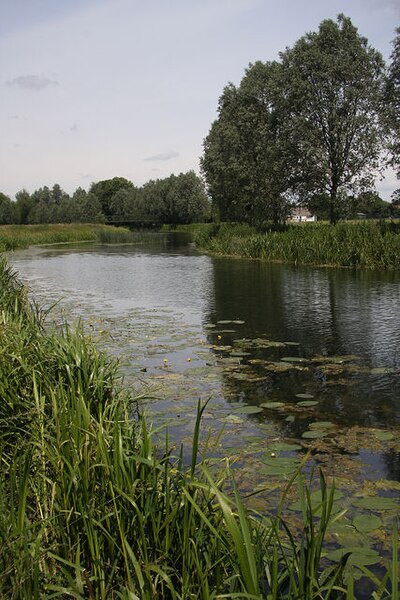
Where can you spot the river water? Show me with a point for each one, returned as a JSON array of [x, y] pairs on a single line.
[[290, 359]]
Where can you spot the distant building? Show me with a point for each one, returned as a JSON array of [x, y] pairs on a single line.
[[300, 214]]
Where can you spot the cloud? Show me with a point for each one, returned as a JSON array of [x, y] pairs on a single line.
[[74, 128], [162, 156], [34, 83], [13, 116]]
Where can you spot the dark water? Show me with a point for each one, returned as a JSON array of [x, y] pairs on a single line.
[[157, 307]]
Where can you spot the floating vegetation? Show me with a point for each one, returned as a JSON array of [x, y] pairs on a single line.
[[366, 523], [294, 359], [377, 503], [305, 396], [247, 410], [272, 404], [307, 403], [314, 434], [384, 436]]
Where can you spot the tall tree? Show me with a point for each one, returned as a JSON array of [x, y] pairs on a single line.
[[392, 98], [105, 190], [331, 92], [244, 157]]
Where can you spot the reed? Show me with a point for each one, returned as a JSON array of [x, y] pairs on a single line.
[[91, 508], [22, 236], [371, 244]]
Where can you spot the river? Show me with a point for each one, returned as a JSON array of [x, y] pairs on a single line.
[[292, 360]]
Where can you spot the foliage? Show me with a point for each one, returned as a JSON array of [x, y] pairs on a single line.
[[175, 199], [309, 126], [350, 244], [105, 190], [244, 158], [22, 236], [392, 98]]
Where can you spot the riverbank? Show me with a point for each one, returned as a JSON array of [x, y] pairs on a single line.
[[23, 236], [372, 244]]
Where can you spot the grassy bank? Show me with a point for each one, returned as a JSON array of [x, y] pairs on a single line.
[[90, 508], [23, 236], [348, 244]]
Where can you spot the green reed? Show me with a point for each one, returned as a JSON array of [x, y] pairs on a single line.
[[22, 236], [367, 244], [91, 508]]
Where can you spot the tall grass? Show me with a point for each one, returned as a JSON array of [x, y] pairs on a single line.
[[91, 508], [22, 236], [347, 244]]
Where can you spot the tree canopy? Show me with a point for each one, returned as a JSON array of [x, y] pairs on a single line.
[[309, 125]]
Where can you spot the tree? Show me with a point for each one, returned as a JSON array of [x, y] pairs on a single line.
[[244, 156], [105, 190], [7, 210], [23, 206], [331, 92], [392, 98]]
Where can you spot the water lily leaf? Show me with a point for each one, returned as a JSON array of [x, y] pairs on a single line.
[[290, 419], [234, 419], [366, 523], [305, 396], [209, 326], [314, 435], [377, 503], [384, 436], [224, 322], [316, 502], [294, 359], [292, 343], [272, 404], [359, 555], [321, 425], [285, 447], [238, 322], [247, 410], [307, 403], [239, 353], [382, 370]]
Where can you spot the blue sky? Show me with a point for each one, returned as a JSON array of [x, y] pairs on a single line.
[[92, 89]]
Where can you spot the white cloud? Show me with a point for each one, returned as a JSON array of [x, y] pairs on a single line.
[[163, 156], [34, 83]]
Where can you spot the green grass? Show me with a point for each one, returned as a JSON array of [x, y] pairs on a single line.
[[367, 244], [91, 508], [22, 236]]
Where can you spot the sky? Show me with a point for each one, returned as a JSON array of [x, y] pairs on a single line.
[[93, 89]]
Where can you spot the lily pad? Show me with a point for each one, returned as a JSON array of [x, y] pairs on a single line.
[[384, 436], [366, 523], [247, 410], [377, 503], [359, 555], [314, 435], [238, 322], [272, 404], [224, 322], [285, 447], [305, 396], [307, 403], [209, 326], [322, 425], [294, 359], [382, 370]]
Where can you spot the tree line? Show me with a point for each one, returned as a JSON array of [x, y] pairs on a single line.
[[315, 128], [177, 199]]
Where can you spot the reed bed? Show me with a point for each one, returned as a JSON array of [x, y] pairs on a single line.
[[22, 236], [91, 508], [348, 244]]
